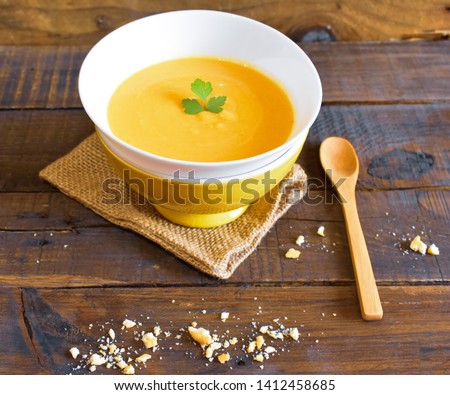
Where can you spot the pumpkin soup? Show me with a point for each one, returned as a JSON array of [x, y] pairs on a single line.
[[147, 112]]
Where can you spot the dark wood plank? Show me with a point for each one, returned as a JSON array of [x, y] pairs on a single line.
[[45, 211], [32, 140], [60, 22], [46, 77], [45, 248], [399, 146], [412, 338], [382, 72], [18, 353]]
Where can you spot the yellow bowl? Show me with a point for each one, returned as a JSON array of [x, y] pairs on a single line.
[[204, 203]]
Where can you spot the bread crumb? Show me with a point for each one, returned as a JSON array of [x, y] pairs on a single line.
[[74, 352], [251, 346], [418, 246], [259, 358], [300, 240], [157, 330], [321, 231], [293, 333], [224, 316], [121, 364], [129, 369], [222, 358], [292, 253], [112, 334], [433, 250], [270, 349], [149, 340], [259, 342], [128, 323], [233, 341], [143, 358], [200, 335], [264, 329], [97, 360]]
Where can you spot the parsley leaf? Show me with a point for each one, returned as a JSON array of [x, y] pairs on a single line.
[[191, 106], [215, 104], [203, 89]]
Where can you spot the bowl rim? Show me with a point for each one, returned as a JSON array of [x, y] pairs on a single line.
[[278, 162], [204, 165]]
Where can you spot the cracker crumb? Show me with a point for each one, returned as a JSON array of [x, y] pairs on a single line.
[[293, 333], [200, 335], [143, 358], [321, 231], [259, 358], [270, 349], [300, 240], [128, 323], [433, 250], [121, 364], [129, 369], [222, 358], [157, 330], [97, 360], [251, 346], [418, 246], [112, 334], [264, 329], [259, 342], [74, 352], [292, 253], [149, 340]]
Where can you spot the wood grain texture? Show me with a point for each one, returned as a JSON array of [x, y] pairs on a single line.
[[18, 353], [386, 137], [46, 77], [411, 338], [44, 249], [59, 22]]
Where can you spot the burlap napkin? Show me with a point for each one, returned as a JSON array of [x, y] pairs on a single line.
[[217, 252]]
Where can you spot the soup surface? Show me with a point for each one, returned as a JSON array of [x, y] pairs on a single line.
[[146, 111]]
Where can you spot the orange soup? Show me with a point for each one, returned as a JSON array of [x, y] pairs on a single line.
[[146, 111]]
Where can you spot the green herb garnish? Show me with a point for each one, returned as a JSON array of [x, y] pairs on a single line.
[[203, 89]]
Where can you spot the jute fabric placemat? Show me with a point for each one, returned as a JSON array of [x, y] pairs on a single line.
[[218, 251]]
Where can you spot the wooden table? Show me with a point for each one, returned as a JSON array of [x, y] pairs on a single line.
[[67, 275]]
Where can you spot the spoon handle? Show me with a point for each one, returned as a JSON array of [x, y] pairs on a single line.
[[369, 298]]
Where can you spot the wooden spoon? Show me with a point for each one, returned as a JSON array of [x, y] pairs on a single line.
[[340, 162]]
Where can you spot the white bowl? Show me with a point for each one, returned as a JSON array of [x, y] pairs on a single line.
[[178, 34]]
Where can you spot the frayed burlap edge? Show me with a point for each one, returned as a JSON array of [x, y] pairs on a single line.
[[218, 252]]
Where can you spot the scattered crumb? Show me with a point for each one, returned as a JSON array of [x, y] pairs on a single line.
[[433, 250], [143, 358], [321, 231], [292, 253], [224, 316], [259, 358], [112, 334], [222, 358], [259, 342], [129, 369], [418, 246], [74, 352], [96, 360], [200, 335], [300, 240], [128, 323], [149, 340]]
